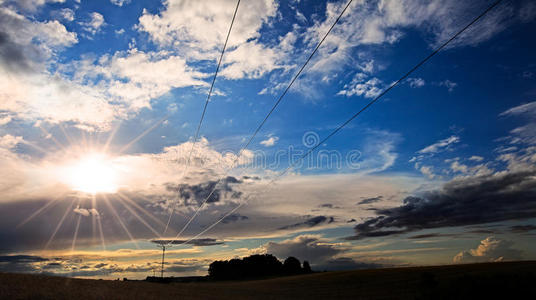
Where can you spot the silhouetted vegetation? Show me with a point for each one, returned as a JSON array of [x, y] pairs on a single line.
[[306, 267], [292, 266], [255, 266], [505, 280]]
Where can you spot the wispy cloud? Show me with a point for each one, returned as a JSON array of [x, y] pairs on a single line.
[[270, 141], [440, 145]]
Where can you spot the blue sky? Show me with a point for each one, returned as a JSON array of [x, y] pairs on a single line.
[[101, 100]]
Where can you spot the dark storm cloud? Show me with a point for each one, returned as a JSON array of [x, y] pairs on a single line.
[[234, 218], [21, 259], [183, 268], [17, 235], [522, 228], [466, 201], [199, 192], [12, 54], [314, 221], [19, 263], [303, 247], [319, 253], [431, 235], [484, 231], [370, 200], [328, 205], [195, 242], [53, 265]]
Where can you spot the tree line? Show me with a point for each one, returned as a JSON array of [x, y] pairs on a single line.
[[258, 265]]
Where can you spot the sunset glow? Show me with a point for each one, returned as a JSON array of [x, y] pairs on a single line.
[[153, 138], [92, 174]]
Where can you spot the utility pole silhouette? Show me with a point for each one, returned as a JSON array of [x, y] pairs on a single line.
[[163, 246]]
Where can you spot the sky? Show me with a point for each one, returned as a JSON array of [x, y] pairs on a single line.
[[100, 102]]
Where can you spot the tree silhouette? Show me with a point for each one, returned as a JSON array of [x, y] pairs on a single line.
[[292, 266], [248, 267], [306, 267], [255, 266]]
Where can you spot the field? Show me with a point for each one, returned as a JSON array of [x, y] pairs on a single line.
[[508, 280]]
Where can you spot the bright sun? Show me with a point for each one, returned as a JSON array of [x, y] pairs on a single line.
[[92, 174]]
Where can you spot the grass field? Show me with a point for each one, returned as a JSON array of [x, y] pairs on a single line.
[[508, 280]]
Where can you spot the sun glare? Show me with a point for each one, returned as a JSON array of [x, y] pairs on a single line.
[[92, 174]]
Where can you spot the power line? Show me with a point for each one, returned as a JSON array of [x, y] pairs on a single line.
[[390, 87], [208, 99], [270, 183], [296, 76], [267, 116]]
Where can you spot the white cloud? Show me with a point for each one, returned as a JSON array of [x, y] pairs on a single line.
[[31, 92], [379, 151], [266, 211], [525, 134], [450, 85], [382, 22], [528, 109], [478, 170], [8, 141], [5, 119], [440, 145], [458, 167], [33, 5], [94, 25], [244, 62], [23, 32], [54, 99], [361, 85], [367, 66], [489, 250], [184, 23], [476, 158], [416, 82], [66, 14], [301, 17], [120, 2], [99, 91], [86, 212], [427, 171], [269, 142], [52, 171], [182, 27], [135, 77]]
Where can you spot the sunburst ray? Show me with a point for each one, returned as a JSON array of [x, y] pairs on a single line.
[[69, 208], [134, 213], [118, 218], [147, 131]]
